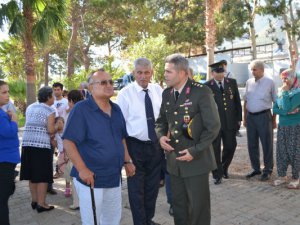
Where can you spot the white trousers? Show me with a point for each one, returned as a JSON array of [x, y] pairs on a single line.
[[108, 203]]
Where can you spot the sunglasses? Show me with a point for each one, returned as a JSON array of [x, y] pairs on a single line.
[[104, 82]]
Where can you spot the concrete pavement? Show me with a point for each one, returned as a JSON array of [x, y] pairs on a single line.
[[236, 201]]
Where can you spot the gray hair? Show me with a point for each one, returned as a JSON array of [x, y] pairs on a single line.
[[257, 64], [90, 76], [179, 61], [144, 62]]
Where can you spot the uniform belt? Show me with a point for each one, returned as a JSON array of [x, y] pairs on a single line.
[[258, 113], [139, 141]]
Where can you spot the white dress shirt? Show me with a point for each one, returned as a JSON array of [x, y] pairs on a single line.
[[131, 100]]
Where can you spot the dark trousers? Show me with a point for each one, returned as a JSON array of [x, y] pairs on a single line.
[[50, 185], [7, 188], [144, 185], [260, 127], [228, 137], [191, 200]]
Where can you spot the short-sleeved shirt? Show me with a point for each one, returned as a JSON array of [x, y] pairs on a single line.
[[61, 107], [36, 126], [260, 94], [98, 138]]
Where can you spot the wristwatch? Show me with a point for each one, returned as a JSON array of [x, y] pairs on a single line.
[[128, 162]]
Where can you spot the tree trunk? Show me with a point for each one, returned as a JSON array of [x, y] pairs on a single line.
[[293, 24], [253, 40], [29, 56], [289, 38], [73, 40], [46, 68], [210, 32]]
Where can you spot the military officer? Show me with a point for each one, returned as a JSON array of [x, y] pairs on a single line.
[[227, 97], [189, 114]]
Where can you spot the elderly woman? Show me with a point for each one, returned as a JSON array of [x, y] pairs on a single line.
[[9, 152], [288, 142], [36, 163]]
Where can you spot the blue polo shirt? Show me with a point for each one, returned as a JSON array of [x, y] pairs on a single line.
[[98, 138]]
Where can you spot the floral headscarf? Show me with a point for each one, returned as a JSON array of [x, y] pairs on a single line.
[[290, 75]]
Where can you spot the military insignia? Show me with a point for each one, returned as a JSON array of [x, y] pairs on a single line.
[[187, 103], [212, 83], [188, 91], [187, 100], [186, 119]]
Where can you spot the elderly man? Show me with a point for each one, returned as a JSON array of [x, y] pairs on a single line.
[[259, 95], [140, 104], [186, 127], [227, 97], [94, 139]]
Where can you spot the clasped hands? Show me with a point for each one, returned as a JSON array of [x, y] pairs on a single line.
[[185, 155]]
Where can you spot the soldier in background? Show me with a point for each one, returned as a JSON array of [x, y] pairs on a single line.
[[227, 98]]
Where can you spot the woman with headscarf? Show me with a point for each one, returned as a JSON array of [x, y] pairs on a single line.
[[287, 106]]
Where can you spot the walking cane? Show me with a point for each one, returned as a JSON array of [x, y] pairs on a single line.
[[93, 205]]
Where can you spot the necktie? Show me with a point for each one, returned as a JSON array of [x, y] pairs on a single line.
[[150, 117], [221, 86], [176, 95]]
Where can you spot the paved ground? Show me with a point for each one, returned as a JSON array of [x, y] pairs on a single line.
[[236, 201]]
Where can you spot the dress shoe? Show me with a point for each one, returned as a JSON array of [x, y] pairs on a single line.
[[73, 207], [33, 205], [171, 212], [265, 177], [40, 209], [253, 173], [52, 191], [153, 223], [218, 181], [225, 174]]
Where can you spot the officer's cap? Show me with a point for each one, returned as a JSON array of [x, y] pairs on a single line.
[[218, 66], [194, 128]]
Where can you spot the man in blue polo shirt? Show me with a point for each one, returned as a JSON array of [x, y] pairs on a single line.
[[94, 139]]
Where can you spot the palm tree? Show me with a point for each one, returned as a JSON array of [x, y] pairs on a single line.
[[32, 21], [210, 30]]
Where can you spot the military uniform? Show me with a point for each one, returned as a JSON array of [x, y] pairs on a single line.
[[230, 113], [189, 180]]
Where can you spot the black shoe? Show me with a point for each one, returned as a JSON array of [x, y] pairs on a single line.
[[218, 181], [265, 177], [40, 209], [171, 212], [52, 192], [253, 173], [225, 174], [33, 205], [153, 223]]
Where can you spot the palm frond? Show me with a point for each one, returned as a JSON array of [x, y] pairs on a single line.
[[17, 26], [8, 11]]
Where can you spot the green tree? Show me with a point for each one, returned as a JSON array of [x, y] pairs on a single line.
[[156, 50], [284, 9], [32, 22]]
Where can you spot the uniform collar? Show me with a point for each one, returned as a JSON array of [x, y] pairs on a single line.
[[181, 88]]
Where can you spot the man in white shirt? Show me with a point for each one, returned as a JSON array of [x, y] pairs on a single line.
[[259, 95], [140, 104], [60, 103]]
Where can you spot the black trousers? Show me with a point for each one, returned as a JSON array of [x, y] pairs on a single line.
[[191, 200], [144, 185], [7, 188], [228, 138]]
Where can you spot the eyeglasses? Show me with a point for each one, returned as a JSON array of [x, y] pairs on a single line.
[[104, 82]]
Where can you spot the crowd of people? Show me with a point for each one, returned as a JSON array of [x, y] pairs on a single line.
[[179, 134]]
